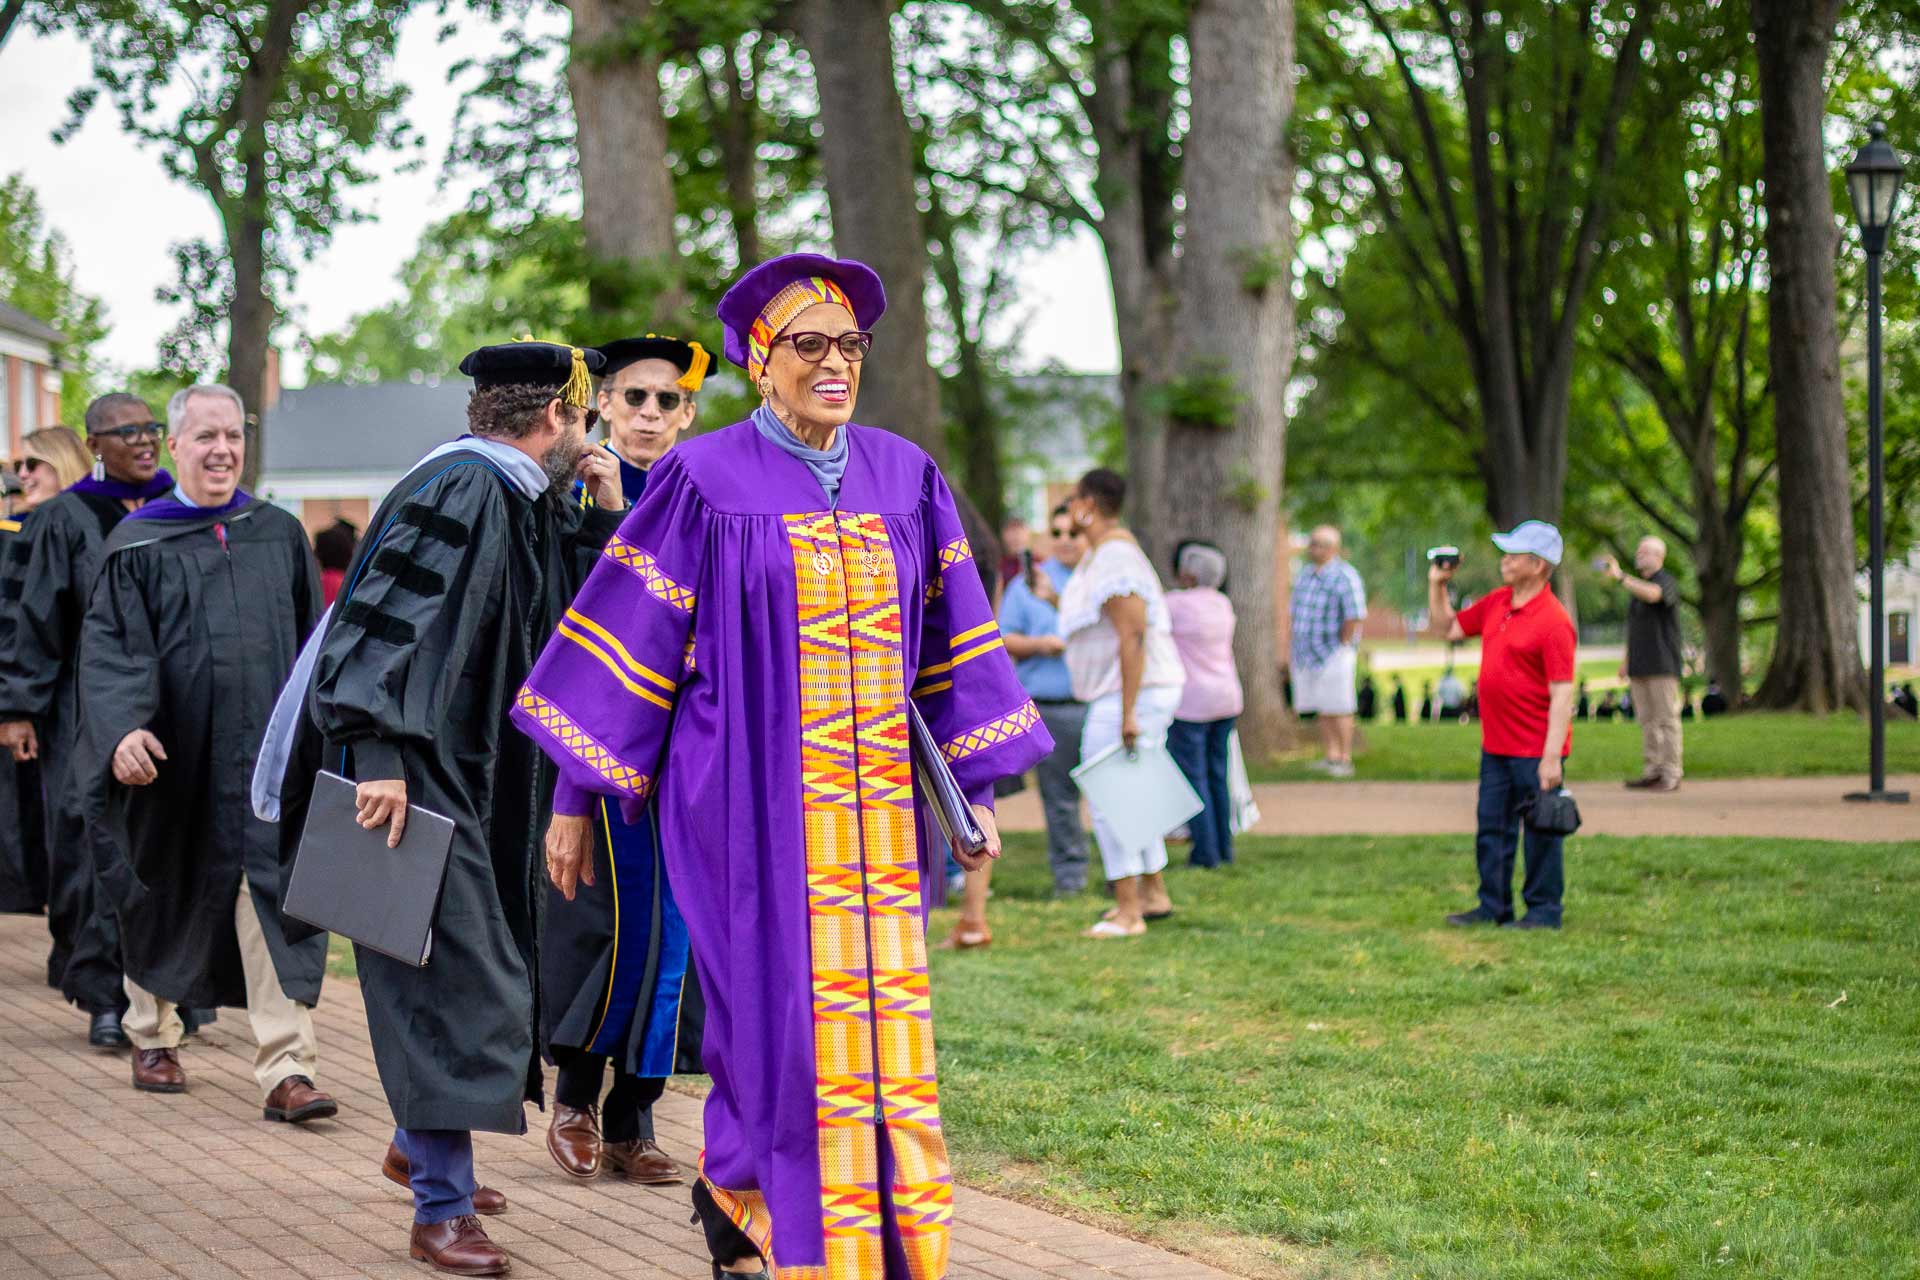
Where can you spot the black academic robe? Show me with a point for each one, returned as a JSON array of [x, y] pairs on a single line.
[[191, 630], [459, 583], [23, 844], [46, 579], [615, 973]]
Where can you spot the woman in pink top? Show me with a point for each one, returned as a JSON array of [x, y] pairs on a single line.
[[1211, 702]]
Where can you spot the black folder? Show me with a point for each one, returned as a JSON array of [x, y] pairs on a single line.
[[345, 880], [950, 806]]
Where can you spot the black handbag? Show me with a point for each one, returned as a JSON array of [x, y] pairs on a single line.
[[1553, 813]]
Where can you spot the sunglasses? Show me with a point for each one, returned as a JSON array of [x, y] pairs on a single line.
[[21, 466], [813, 347], [132, 433], [636, 398], [1064, 533]]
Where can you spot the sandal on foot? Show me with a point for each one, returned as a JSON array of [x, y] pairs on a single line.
[[964, 938], [1108, 929]]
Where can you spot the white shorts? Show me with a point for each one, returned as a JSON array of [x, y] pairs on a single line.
[[1328, 688]]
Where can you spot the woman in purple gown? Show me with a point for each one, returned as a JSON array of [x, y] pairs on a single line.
[[741, 661]]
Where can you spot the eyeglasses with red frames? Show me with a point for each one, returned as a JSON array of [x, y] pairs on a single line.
[[813, 347]]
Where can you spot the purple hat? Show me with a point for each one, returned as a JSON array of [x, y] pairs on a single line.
[[766, 299]]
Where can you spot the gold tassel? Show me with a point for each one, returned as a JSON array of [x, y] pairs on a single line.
[[579, 389], [697, 371]]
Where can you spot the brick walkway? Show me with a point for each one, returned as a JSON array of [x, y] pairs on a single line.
[[98, 1180]]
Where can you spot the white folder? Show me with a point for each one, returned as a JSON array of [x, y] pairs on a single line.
[[1142, 793]]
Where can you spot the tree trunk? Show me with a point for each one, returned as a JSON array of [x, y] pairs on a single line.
[[739, 145], [1140, 268], [626, 188], [9, 14], [1720, 622], [1236, 320], [976, 420], [1816, 653], [249, 330], [246, 222], [867, 153]]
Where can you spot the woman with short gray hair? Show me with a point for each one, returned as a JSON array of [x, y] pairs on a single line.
[[1211, 701]]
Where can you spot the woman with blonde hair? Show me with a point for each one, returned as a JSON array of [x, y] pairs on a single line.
[[50, 459]]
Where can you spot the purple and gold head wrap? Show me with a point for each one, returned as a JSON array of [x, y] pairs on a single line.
[[765, 301]]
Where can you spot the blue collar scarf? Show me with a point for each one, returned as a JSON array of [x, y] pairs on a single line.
[[827, 466]]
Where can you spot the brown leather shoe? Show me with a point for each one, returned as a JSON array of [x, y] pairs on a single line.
[[574, 1141], [296, 1101], [641, 1160], [458, 1246], [485, 1199], [158, 1071]]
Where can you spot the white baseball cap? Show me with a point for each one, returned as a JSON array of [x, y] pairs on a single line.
[[1532, 538]]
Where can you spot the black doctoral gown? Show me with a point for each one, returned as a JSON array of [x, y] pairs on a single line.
[[191, 630], [616, 975], [46, 580], [23, 840], [459, 583]]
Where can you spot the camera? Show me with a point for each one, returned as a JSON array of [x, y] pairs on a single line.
[[1444, 557]]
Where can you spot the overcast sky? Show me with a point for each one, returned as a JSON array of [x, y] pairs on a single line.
[[119, 212]]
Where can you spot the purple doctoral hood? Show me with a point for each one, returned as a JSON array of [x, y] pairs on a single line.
[[162, 483], [171, 508]]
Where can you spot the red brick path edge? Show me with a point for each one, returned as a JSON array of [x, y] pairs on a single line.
[[99, 1180]]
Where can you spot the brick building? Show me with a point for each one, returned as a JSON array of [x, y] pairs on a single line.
[[29, 376]]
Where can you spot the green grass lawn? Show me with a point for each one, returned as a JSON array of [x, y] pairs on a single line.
[[1306, 1071], [1744, 746]]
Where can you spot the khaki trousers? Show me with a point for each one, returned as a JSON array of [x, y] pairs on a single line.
[[282, 1026], [1656, 704]]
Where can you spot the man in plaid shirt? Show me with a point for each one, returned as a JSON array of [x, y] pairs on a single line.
[[1329, 604]]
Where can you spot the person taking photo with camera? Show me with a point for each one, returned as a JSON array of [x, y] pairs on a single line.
[[1654, 661], [1526, 717]]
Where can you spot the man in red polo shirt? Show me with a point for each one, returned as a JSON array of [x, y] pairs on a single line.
[[1526, 718]]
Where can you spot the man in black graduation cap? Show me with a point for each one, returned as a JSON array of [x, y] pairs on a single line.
[[46, 580], [617, 984], [200, 605], [464, 573]]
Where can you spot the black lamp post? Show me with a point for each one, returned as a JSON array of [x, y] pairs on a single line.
[[1873, 182]]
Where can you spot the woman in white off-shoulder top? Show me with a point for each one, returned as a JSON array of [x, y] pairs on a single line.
[[1121, 657]]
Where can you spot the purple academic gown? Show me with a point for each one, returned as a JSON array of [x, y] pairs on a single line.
[[741, 659]]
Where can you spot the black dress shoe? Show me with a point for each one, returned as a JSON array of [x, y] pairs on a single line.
[[104, 1031], [1467, 919], [1528, 922]]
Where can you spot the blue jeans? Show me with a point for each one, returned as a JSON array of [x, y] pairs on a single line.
[[1505, 781], [440, 1169], [1200, 749]]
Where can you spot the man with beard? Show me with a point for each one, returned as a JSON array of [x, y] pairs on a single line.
[[465, 572], [199, 607], [46, 582], [616, 983]]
